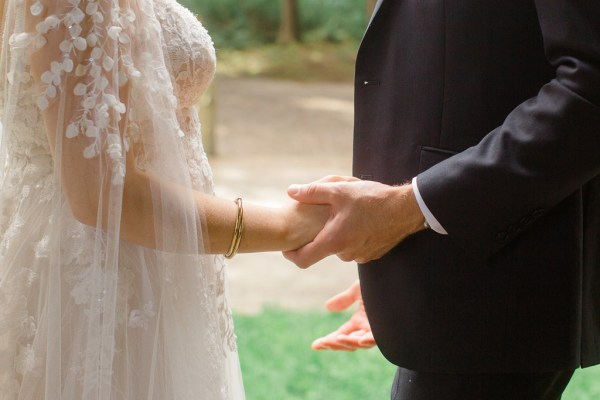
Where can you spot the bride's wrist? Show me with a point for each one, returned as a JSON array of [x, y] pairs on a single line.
[[293, 233]]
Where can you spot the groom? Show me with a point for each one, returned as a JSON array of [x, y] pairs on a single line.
[[481, 275]]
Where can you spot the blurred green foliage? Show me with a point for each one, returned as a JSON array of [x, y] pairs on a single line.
[[241, 24]]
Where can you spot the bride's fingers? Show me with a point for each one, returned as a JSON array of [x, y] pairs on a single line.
[[308, 255]]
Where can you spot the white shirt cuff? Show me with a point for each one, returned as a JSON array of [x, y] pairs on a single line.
[[431, 221]]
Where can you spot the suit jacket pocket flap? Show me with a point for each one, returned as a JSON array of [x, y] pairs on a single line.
[[433, 155]]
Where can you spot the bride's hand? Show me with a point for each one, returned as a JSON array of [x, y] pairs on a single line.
[[303, 222]]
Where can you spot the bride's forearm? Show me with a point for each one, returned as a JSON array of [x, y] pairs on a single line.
[[266, 229], [153, 213]]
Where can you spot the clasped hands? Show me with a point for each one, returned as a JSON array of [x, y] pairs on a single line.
[[367, 219]]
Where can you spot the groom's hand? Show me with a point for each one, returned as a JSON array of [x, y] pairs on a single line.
[[354, 334], [367, 219]]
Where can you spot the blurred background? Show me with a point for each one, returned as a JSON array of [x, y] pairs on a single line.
[[280, 111]]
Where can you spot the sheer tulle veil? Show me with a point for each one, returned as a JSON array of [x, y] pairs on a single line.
[[87, 100]]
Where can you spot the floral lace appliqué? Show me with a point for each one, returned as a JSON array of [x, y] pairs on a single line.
[[139, 318], [96, 51]]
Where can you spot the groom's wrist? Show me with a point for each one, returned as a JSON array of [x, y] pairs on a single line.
[[410, 215]]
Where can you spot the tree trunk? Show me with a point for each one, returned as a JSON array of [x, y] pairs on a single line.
[[289, 30]]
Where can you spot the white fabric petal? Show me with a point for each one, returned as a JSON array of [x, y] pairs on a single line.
[[37, 8], [80, 89]]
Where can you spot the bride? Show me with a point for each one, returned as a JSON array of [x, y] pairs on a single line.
[[111, 286]]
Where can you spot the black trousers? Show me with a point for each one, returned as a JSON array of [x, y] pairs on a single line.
[[411, 385]]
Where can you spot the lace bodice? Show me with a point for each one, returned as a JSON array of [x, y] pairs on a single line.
[[192, 59], [191, 51]]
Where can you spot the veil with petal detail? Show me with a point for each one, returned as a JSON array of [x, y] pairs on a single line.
[[105, 288]]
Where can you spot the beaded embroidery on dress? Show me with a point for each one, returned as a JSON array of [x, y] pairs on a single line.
[[94, 89]]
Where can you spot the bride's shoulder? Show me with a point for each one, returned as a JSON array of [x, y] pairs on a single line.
[[181, 25], [190, 49], [176, 11]]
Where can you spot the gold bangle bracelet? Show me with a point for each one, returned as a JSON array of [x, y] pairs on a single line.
[[238, 230]]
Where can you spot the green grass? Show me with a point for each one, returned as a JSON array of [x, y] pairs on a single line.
[[278, 364], [585, 385]]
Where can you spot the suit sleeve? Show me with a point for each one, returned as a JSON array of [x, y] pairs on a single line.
[[546, 149]]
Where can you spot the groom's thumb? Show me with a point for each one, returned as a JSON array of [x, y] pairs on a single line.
[[313, 193]]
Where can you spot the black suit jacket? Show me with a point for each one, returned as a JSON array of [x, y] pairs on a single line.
[[495, 106]]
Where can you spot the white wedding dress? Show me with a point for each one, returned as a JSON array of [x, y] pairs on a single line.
[[84, 314]]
